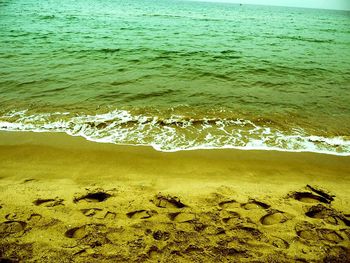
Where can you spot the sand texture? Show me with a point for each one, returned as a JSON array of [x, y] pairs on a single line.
[[64, 199]]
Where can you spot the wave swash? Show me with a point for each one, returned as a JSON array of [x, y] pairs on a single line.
[[174, 133]]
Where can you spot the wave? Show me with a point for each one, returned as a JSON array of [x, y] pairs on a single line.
[[176, 132], [305, 39]]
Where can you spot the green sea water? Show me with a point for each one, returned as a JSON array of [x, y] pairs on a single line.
[[177, 75]]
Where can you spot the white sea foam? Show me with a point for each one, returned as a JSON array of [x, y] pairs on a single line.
[[175, 133]]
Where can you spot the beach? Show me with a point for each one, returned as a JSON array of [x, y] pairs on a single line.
[[174, 131], [65, 199]]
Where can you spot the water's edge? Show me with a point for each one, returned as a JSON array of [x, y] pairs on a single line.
[[176, 134]]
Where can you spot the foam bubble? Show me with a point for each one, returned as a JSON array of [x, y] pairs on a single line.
[[175, 133]]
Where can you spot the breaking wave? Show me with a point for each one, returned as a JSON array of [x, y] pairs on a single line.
[[176, 132]]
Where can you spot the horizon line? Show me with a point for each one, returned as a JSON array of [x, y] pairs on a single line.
[[236, 3]]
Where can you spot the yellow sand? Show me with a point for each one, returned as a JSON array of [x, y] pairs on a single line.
[[66, 199]]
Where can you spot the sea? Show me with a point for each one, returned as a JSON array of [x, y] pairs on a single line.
[[177, 75]]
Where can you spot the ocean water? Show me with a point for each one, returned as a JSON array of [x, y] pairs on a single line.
[[177, 75]]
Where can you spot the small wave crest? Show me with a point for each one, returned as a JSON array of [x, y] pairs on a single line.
[[175, 132]]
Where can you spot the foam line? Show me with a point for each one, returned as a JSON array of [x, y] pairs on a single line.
[[175, 133]]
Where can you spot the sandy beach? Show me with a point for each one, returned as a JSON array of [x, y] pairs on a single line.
[[174, 131], [65, 199]]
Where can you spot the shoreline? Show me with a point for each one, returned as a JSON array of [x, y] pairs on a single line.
[[289, 142], [64, 197]]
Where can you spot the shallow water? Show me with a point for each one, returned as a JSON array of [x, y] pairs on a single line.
[[176, 74]]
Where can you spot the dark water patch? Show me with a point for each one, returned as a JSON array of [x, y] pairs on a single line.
[[180, 53], [269, 84], [306, 39], [30, 82], [88, 52], [108, 50], [47, 17], [4, 55], [331, 30], [55, 90], [228, 52], [283, 70], [135, 60], [224, 57], [259, 70], [184, 17], [142, 96], [19, 34], [125, 82], [4, 3], [110, 96], [72, 18], [201, 74]]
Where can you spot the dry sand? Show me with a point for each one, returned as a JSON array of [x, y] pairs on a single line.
[[64, 199]]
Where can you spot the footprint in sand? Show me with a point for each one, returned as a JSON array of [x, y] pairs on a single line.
[[85, 230], [307, 197], [48, 202], [98, 196], [34, 218], [275, 217], [346, 233], [214, 230], [329, 235], [77, 232], [141, 214], [231, 218], [309, 232], [37, 220], [308, 235], [12, 228], [314, 195], [280, 243], [153, 253], [254, 204], [11, 216], [226, 252], [110, 215], [28, 180], [90, 212], [306, 231], [98, 213], [92, 235], [329, 215], [248, 233], [324, 193], [182, 217], [320, 211], [193, 249], [168, 201], [229, 204], [337, 254], [161, 235]]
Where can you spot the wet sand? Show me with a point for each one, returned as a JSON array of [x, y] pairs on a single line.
[[64, 199]]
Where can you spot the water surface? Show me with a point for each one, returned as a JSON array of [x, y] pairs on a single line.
[[177, 74]]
